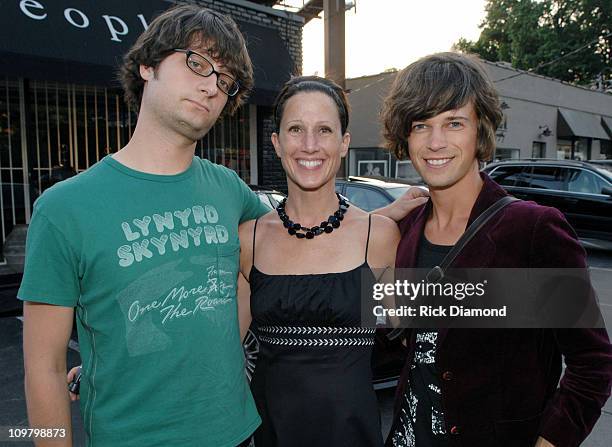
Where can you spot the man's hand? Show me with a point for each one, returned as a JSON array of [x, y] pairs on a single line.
[[541, 442], [402, 206], [71, 375]]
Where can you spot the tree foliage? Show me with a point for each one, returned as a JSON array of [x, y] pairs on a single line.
[[531, 33]]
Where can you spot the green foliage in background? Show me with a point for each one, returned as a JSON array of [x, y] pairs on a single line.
[[531, 33]]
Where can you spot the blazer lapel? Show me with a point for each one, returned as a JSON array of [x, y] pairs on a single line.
[[407, 250], [489, 194]]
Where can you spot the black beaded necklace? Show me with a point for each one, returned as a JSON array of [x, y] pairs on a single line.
[[297, 230]]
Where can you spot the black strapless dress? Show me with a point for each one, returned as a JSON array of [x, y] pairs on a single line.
[[313, 379]]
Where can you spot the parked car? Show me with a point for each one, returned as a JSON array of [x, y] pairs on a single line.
[[269, 197], [605, 164], [370, 193], [582, 191]]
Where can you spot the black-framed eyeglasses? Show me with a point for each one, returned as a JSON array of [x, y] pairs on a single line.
[[203, 67]]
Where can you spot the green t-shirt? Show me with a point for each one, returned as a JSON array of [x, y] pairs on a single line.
[[150, 262]]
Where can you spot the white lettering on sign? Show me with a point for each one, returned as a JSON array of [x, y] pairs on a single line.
[[68, 13], [145, 25], [32, 4], [110, 20], [117, 27]]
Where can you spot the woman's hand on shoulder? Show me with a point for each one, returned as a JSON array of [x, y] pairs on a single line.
[[405, 204]]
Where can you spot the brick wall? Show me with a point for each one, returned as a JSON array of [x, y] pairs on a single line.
[[271, 173], [289, 29]]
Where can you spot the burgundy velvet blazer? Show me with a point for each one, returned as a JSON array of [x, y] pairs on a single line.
[[500, 387]]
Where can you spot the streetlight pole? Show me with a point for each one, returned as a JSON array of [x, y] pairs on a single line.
[[333, 15]]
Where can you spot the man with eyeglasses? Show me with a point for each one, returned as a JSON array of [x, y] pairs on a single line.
[[204, 67], [144, 245]]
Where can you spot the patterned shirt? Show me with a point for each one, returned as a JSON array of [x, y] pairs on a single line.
[[421, 418]]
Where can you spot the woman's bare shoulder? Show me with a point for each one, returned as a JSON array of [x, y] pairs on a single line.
[[384, 238], [384, 227]]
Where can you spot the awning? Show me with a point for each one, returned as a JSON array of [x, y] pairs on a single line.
[[272, 63], [572, 123], [58, 40], [607, 123], [68, 42]]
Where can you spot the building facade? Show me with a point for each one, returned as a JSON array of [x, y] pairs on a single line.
[[543, 118], [62, 109]]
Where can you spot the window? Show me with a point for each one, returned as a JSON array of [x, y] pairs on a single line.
[[605, 149], [579, 180], [68, 127], [508, 176], [75, 127], [582, 149], [538, 149], [228, 143], [502, 153], [365, 198], [382, 161], [548, 177], [265, 200], [397, 192], [405, 170], [14, 206], [564, 149]]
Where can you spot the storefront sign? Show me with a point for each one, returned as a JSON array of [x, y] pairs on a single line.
[[83, 41], [92, 31], [116, 25]]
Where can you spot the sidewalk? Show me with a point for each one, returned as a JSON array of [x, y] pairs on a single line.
[[13, 407]]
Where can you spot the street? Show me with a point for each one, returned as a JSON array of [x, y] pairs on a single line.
[[12, 400]]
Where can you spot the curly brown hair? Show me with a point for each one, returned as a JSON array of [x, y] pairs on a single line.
[[181, 27], [433, 85]]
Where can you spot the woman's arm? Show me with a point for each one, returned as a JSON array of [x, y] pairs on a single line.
[[244, 305], [384, 238], [245, 233]]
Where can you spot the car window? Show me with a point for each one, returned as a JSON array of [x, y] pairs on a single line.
[[365, 198], [276, 199], [547, 177], [264, 199], [508, 175], [579, 180], [397, 192], [605, 167]]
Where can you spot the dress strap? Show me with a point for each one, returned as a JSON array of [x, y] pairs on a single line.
[[368, 239], [254, 231]]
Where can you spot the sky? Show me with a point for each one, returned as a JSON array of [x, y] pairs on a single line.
[[385, 34]]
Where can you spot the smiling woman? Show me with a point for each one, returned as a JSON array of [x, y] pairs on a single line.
[[314, 365], [311, 139]]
